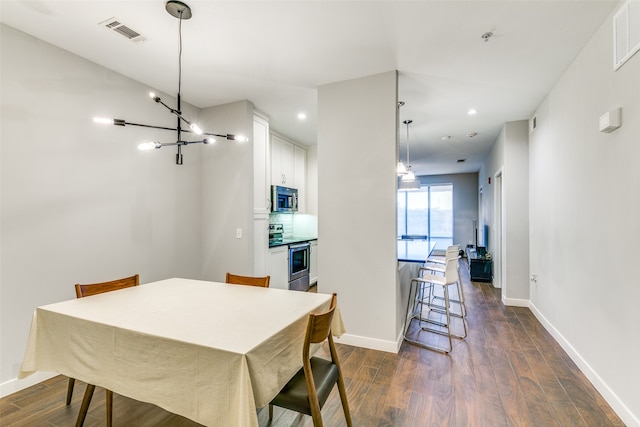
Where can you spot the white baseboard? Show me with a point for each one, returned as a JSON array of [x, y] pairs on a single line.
[[515, 302], [370, 343], [15, 384], [609, 395]]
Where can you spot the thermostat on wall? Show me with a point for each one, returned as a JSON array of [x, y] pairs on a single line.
[[610, 121]]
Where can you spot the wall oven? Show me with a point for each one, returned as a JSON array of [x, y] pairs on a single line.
[[299, 257]]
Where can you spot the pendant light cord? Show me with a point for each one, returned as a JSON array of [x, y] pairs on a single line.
[[180, 54], [408, 122]]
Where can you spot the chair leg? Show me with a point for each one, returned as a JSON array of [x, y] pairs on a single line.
[[109, 395], [86, 400], [270, 411], [72, 382], [343, 397]]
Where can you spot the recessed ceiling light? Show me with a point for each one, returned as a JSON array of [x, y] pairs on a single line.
[[472, 112], [472, 134], [302, 116], [445, 137]]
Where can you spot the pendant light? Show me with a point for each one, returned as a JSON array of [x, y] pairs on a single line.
[[401, 169], [181, 11], [408, 181]]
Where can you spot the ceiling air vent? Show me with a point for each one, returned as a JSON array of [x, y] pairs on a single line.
[[115, 25], [626, 32]]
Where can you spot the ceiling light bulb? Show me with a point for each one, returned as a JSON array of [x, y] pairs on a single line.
[[445, 138], [103, 121], [240, 138], [146, 146], [195, 128], [473, 112], [208, 141], [302, 116]]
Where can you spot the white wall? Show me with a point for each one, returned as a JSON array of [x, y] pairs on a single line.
[[79, 202], [465, 203], [584, 214], [357, 206], [227, 193], [509, 159]]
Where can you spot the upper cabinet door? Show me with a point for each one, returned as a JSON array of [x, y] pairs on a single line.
[[281, 162]]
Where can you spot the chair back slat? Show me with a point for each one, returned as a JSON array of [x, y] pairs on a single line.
[[248, 280], [85, 290], [319, 326]]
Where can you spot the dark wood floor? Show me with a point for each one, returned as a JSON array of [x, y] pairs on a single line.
[[508, 372]]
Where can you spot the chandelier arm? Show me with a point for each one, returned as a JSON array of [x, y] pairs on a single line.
[[148, 126]]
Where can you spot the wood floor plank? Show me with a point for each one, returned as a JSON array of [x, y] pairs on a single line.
[[508, 372]]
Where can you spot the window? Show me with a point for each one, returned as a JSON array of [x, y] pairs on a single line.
[[428, 212]]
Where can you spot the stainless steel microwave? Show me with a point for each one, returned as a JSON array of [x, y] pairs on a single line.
[[284, 199]]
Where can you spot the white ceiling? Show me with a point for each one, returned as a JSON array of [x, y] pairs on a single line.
[[276, 54]]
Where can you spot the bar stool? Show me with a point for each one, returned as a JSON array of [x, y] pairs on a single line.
[[421, 285], [439, 268]]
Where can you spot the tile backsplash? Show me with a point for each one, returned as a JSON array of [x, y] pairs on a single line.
[[296, 225]]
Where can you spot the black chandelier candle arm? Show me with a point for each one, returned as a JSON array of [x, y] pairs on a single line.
[[177, 112], [121, 122]]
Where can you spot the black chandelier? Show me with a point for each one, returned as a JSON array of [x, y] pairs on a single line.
[[181, 11]]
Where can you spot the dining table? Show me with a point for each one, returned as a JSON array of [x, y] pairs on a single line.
[[209, 351]]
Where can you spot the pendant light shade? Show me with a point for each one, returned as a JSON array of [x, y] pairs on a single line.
[[409, 185], [401, 169]]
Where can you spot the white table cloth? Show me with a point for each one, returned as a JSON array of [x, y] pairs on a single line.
[[209, 351]]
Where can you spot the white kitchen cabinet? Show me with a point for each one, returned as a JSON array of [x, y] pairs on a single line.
[[261, 195], [313, 263], [300, 176], [282, 162], [261, 177], [279, 267], [289, 166]]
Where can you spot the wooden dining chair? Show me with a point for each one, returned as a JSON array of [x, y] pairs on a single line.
[[310, 387], [85, 291], [248, 280]]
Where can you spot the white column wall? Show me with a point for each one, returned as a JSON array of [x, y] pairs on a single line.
[[509, 157], [357, 155], [227, 193]]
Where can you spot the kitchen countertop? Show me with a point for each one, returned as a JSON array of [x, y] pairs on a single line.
[[291, 241], [414, 250]]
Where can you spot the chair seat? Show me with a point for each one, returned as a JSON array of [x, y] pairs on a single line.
[[432, 278], [294, 395]]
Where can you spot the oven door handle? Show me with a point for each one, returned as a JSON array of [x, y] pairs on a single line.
[[300, 245]]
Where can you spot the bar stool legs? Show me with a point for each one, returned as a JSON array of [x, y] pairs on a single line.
[[420, 307]]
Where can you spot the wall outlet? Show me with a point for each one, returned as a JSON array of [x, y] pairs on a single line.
[[238, 233]]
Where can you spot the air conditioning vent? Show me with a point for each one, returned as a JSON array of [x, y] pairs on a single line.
[[115, 25], [626, 32]]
